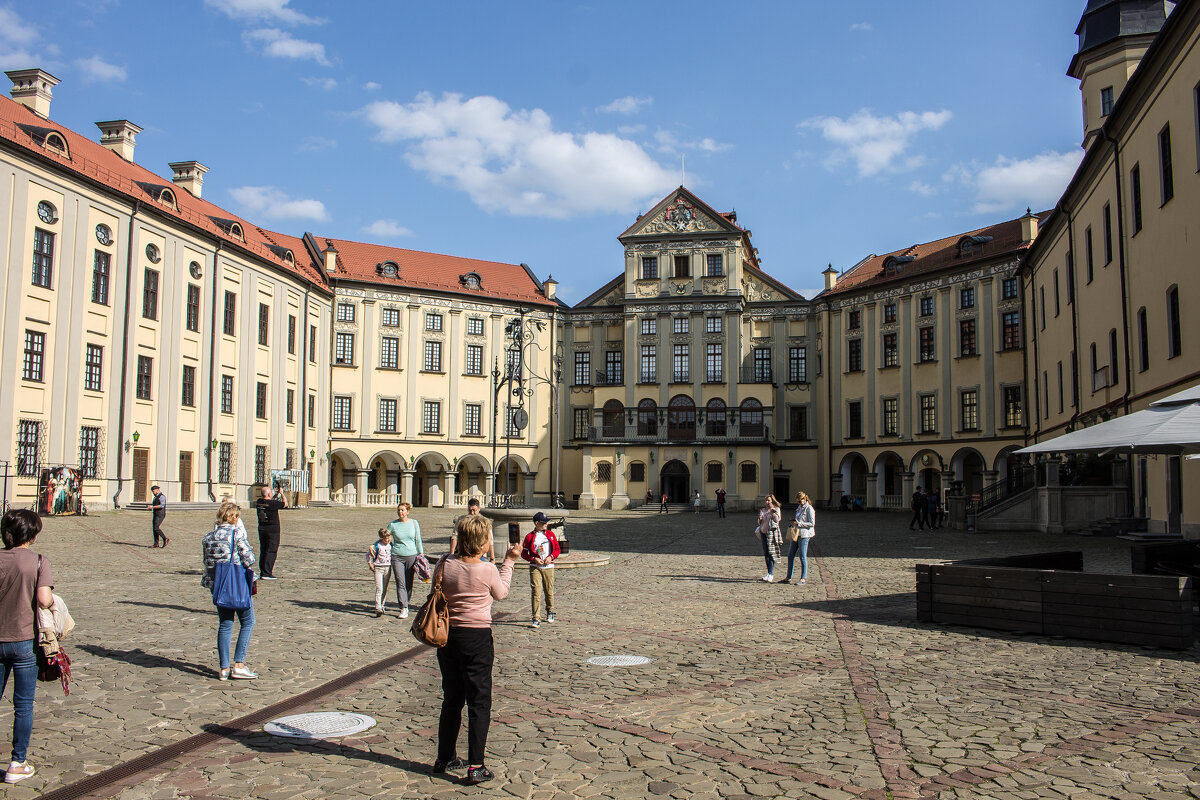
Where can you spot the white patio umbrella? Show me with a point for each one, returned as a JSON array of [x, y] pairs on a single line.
[[1170, 426]]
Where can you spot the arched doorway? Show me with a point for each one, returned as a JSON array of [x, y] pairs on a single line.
[[714, 424], [613, 422], [752, 419], [647, 418], [676, 481], [681, 418]]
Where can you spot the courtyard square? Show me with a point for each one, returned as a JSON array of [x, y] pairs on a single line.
[[829, 690]]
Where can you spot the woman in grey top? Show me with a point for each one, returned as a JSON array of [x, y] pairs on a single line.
[[806, 521]]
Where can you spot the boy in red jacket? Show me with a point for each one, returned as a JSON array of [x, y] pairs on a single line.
[[540, 548]]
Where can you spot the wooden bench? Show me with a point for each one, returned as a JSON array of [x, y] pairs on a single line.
[[1049, 594]]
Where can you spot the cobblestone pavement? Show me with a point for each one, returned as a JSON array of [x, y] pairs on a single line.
[[828, 690]]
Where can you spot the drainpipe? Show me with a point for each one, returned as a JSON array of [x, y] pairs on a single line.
[[212, 370], [303, 332], [116, 498], [1121, 264]]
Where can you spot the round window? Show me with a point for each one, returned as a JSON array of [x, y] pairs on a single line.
[[153, 254], [104, 234], [195, 270], [47, 213]]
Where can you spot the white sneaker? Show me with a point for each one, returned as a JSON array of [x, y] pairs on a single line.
[[768, 577], [550, 617], [243, 673], [534, 622], [404, 613], [18, 771]]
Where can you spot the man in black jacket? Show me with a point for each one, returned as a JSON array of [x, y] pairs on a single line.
[[158, 511], [268, 529]]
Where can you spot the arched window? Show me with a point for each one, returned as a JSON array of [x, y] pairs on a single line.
[[752, 418], [714, 423], [57, 143], [167, 198], [647, 418], [235, 230], [613, 419], [604, 472], [681, 418]]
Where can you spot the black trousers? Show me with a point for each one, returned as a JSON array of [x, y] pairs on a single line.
[[720, 509], [918, 519], [156, 526], [268, 544], [466, 664]]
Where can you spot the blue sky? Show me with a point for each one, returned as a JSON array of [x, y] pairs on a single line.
[[535, 131]]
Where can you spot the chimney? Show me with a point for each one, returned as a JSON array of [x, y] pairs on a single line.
[[118, 135], [831, 276], [31, 88], [1029, 226], [330, 252], [550, 287], [188, 175]]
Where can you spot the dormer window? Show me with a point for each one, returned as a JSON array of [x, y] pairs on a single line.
[[167, 198], [894, 265], [57, 143], [471, 280], [969, 246], [232, 228], [235, 230], [289, 257], [48, 139], [388, 269]]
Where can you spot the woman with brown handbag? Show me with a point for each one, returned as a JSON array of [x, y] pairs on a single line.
[[805, 527], [470, 585]]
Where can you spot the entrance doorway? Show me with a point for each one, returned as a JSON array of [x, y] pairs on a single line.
[[141, 466], [185, 477], [676, 481], [782, 488]]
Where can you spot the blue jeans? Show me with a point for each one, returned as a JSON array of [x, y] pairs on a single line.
[[17, 658], [800, 545], [225, 633]]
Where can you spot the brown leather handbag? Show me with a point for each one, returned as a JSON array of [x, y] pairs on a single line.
[[432, 623]]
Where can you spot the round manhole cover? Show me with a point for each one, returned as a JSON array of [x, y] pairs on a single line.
[[618, 661], [322, 725]]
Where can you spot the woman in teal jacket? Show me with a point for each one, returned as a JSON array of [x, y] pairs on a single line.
[[406, 546]]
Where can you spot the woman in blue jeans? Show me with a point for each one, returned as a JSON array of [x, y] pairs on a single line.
[[24, 578], [806, 521], [226, 540]]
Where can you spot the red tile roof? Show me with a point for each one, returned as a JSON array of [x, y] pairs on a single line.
[[934, 256], [359, 261], [91, 161]]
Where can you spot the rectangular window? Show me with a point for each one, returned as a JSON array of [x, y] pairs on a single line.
[[1108, 240], [390, 318], [683, 267], [583, 369], [854, 355], [312, 411], [264, 323], [43, 258], [226, 394], [472, 416], [714, 362], [749, 472], [290, 409], [797, 365], [1174, 332], [93, 368], [927, 350], [433, 322], [798, 423], [29, 436], [225, 462], [433, 356], [260, 463], [291, 334], [1135, 196], [1090, 253], [345, 312], [613, 372], [1166, 171], [649, 268], [891, 416], [474, 361], [649, 326], [340, 420], [889, 312], [583, 423], [343, 348], [512, 362], [89, 452], [714, 265], [966, 338], [928, 413], [389, 352], [648, 372], [762, 365], [192, 308], [1042, 301], [1070, 277], [1143, 341], [229, 322], [1009, 289], [680, 325], [1012, 406], [891, 350], [854, 319], [145, 372], [1057, 306], [1061, 393], [1106, 101], [1112, 358], [854, 420], [681, 361], [187, 391], [312, 343], [260, 400], [926, 306], [510, 426], [966, 297], [387, 415], [101, 267], [968, 403], [474, 326], [431, 417], [1010, 326], [289, 458], [150, 294]]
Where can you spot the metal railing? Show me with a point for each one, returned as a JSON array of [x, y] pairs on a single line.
[[756, 433], [757, 374], [506, 501], [1011, 485]]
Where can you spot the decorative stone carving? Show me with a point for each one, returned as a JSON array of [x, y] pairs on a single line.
[[679, 217], [681, 287], [714, 285], [645, 288]]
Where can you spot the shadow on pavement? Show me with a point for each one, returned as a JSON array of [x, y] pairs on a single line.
[[711, 579], [141, 658], [166, 606], [362, 607]]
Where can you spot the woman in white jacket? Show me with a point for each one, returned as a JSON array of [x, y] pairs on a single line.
[[806, 521]]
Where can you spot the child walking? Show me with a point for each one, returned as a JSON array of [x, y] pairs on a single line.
[[540, 549], [379, 559]]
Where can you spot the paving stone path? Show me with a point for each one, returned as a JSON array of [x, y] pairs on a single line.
[[829, 690]]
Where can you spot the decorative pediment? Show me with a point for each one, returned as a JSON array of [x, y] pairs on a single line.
[[757, 290], [681, 213]]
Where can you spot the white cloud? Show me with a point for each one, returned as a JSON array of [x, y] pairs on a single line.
[[387, 228], [923, 189], [273, 10], [514, 161], [667, 142], [315, 144], [280, 44], [16, 40], [874, 143], [626, 130], [274, 204], [809, 294], [625, 105], [96, 70], [328, 84], [372, 86], [1036, 182], [861, 26]]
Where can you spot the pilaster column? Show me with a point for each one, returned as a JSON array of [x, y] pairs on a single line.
[[360, 486], [620, 497], [835, 491], [872, 499], [393, 481], [448, 489], [906, 491], [406, 485], [529, 479]]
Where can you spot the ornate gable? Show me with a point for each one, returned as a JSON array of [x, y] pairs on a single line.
[[680, 213]]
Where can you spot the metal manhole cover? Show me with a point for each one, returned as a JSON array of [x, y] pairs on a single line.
[[618, 661], [323, 725]]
